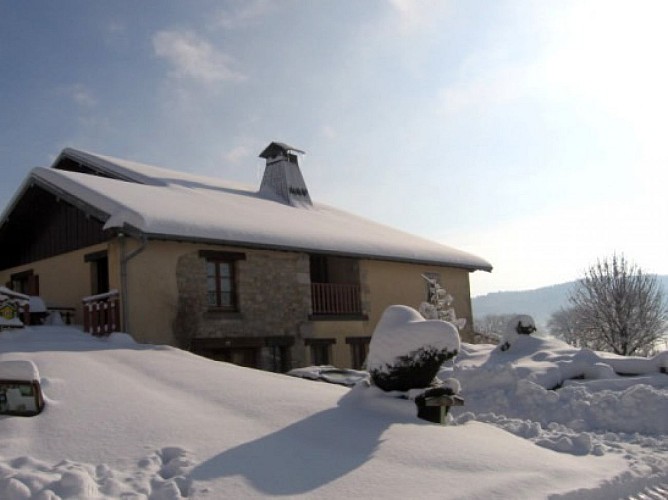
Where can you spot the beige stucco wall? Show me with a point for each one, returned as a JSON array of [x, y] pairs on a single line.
[[387, 283], [153, 292], [64, 279], [338, 330]]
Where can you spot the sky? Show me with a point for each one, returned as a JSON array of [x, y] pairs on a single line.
[[529, 133]]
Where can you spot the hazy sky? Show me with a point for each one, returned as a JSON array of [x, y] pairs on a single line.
[[531, 133]]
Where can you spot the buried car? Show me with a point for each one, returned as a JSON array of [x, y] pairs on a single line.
[[20, 390]]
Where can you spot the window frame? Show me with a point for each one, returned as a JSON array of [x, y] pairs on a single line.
[[217, 259], [25, 282], [319, 348], [359, 351]]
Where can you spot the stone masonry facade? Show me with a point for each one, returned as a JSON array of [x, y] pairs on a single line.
[[273, 297]]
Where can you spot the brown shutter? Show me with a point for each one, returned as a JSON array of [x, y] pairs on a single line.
[[33, 284]]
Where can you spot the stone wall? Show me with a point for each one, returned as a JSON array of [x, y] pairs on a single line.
[[273, 294]]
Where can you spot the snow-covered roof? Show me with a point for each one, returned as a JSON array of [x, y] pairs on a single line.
[[162, 203]]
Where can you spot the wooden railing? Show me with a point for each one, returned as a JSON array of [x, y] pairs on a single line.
[[335, 298], [102, 313]]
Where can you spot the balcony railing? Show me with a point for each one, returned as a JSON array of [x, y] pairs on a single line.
[[102, 313], [335, 299]]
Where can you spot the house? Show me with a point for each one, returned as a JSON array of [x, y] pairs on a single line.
[[265, 278]]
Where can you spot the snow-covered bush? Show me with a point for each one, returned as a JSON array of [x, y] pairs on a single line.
[[521, 324], [407, 351], [439, 304]]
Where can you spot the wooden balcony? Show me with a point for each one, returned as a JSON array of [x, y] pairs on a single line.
[[102, 313], [335, 299]]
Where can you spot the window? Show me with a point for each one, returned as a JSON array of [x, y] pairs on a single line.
[[359, 349], [26, 282], [320, 350], [221, 280], [277, 356], [220, 284]]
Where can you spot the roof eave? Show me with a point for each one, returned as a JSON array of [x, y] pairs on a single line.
[[296, 248]]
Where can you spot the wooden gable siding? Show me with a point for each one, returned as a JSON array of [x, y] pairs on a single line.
[[70, 165], [42, 226]]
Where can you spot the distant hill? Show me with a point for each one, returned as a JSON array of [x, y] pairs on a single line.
[[539, 303]]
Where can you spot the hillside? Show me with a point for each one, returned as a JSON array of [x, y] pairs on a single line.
[[539, 303]]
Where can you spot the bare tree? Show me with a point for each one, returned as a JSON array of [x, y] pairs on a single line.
[[491, 327], [566, 324], [619, 308]]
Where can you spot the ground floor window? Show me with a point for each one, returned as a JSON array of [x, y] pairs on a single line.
[[278, 351], [242, 356], [320, 351], [25, 282], [359, 349], [271, 353]]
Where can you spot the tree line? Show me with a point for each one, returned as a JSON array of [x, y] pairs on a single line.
[[615, 307]]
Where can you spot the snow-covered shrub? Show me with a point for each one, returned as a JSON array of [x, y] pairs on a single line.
[[439, 305], [407, 351], [521, 324]]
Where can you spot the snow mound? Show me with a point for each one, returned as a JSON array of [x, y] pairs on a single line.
[[406, 351], [402, 330]]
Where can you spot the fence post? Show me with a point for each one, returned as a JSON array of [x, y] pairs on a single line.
[[101, 313]]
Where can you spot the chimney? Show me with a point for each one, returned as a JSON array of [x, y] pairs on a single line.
[[282, 180]]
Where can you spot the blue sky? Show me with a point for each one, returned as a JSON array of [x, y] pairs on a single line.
[[530, 133]]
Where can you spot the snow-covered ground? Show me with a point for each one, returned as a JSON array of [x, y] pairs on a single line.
[[542, 420]]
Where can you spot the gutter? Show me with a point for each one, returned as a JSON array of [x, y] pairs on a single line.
[[125, 258]]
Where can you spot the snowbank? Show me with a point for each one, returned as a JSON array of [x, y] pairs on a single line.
[[156, 422]]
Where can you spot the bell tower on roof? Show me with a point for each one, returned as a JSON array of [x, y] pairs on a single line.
[[283, 180]]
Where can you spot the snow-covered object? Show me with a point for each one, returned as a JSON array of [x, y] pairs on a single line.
[[519, 325], [522, 324], [439, 305], [37, 304], [18, 369], [331, 374], [6, 293], [452, 384], [406, 350], [11, 305]]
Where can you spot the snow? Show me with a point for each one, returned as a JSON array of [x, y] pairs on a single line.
[[145, 421], [18, 370], [6, 293], [164, 203]]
